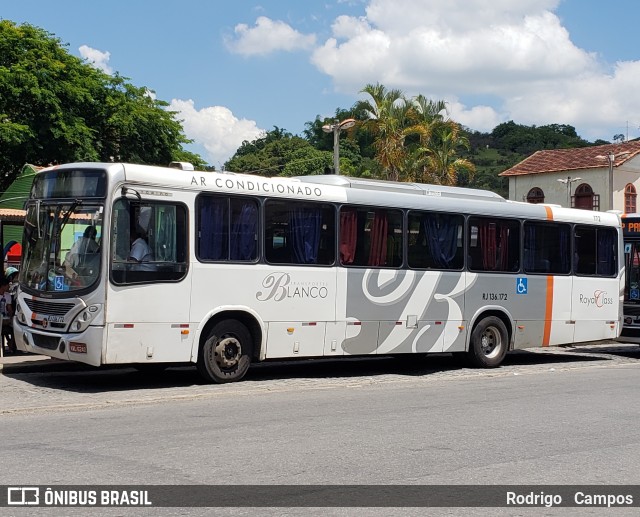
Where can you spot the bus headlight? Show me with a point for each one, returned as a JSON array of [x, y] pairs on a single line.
[[83, 320], [20, 314]]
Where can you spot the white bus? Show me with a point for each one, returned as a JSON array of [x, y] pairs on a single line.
[[242, 269]]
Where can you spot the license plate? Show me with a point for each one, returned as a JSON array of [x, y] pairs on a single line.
[[78, 348]]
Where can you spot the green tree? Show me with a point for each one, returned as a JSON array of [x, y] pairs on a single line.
[[427, 115], [55, 108], [388, 115], [279, 153], [521, 139], [440, 160]]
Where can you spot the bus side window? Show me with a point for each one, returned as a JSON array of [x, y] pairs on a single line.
[[585, 250], [299, 232]]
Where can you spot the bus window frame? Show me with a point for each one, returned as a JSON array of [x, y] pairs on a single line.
[[143, 281]]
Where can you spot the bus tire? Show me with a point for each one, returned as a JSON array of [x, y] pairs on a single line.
[[225, 355], [489, 343]]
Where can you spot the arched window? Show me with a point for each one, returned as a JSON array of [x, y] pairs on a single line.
[[585, 199], [630, 199], [535, 196]]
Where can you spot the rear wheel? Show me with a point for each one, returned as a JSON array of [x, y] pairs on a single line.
[[225, 356], [489, 342]]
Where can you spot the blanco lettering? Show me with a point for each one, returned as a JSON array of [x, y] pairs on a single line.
[[278, 286]]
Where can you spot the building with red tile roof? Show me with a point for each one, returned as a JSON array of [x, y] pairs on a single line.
[[601, 177]]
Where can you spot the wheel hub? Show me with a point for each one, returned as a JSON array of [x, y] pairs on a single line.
[[228, 352], [488, 343]]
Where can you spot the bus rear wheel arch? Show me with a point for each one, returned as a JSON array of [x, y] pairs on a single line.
[[489, 342], [226, 353]]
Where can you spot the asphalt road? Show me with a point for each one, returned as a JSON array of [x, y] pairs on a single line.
[[555, 416]]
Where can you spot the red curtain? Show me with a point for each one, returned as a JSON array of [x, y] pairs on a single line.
[[494, 242], [378, 247], [348, 235], [504, 248], [488, 245]]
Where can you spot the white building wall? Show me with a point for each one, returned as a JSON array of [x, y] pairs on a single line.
[[628, 172], [556, 192]]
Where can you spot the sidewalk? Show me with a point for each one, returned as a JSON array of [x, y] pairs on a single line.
[[30, 363]]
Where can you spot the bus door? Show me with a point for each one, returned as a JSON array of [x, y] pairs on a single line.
[[149, 294], [595, 308], [295, 290]]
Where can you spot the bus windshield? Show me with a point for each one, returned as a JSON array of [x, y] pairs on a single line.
[[61, 246]]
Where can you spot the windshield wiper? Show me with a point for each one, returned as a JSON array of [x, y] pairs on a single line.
[[55, 234], [76, 203]]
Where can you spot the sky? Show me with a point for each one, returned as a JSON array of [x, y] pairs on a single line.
[[235, 69]]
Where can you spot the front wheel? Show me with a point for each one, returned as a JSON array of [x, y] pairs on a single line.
[[226, 354], [489, 341]]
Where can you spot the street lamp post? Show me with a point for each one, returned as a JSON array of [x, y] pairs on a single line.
[[336, 127], [611, 158], [568, 183]]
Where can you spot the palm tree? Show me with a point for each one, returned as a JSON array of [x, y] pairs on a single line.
[[388, 120], [427, 115], [438, 159]]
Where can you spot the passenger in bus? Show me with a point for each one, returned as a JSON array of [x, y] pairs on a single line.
[[141, 252], [84, 246]]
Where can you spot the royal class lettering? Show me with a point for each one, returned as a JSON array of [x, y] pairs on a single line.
[[599, 299], [259, 186], [278, 286]]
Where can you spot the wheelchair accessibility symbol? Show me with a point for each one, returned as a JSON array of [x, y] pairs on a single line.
[[521, 285]]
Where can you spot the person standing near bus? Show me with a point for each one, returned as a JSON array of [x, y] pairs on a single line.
[[6, 308]]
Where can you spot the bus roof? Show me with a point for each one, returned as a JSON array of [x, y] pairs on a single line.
[[405, 188], [344, 189]]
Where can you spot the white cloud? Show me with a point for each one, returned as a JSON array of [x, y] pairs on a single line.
[[477, 118], [215, 128], [97, 58], [518, 53], [267, 36], [451, 46]]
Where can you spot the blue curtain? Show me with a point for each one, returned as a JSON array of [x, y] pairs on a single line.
[[213, 225], [565, 249], [530, 247], [304, 232], [442, 238], [243, 233]]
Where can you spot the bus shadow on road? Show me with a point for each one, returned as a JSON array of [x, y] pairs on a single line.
[[86, 379], [410, 365]]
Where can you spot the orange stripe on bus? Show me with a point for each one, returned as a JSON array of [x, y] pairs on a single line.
[[549, 213], [548, 312]]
